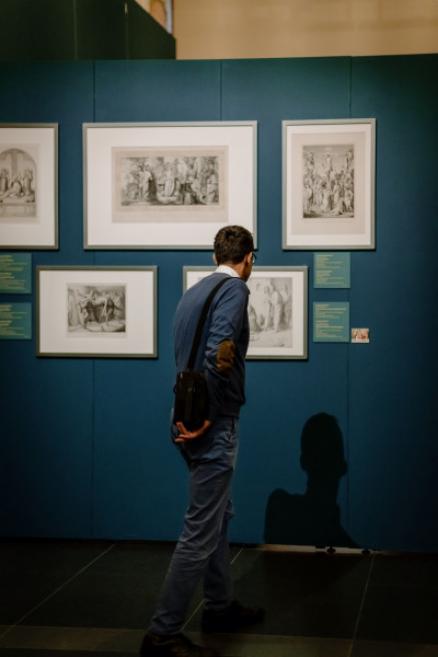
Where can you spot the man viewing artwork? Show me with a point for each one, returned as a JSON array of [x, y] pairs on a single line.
[[202, 551]]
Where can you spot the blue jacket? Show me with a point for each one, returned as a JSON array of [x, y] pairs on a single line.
[[222, 350]]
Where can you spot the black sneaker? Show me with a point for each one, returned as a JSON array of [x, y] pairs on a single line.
[[173, 645], [232, 618]]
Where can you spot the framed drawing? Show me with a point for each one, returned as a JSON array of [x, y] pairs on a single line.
[[28, 186], [97, 311], [328, 184], [277, 310], [169, 185]]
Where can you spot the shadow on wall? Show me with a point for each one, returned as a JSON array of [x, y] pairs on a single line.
[[312, 518]]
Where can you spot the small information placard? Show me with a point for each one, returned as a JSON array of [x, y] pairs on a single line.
[[331, 321], [15, 273], [15, 321], [331, 270]]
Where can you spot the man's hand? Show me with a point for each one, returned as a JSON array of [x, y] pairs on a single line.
[[185, 435]]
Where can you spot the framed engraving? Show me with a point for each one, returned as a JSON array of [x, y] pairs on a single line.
[[28, 186], [167, 186], [97, 311], [277, 310], [328, 184]]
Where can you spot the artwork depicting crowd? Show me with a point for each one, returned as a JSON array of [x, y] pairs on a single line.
[[168, 180], [328, 181], [17, 184]]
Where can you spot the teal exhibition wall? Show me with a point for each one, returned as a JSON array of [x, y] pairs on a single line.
[[84, 442]]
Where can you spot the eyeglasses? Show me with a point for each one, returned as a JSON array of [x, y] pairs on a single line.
[[254, 257]]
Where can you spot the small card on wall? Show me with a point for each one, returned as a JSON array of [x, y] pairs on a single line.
[[360, 335], [15, 321], [331, 321], [331, 270], [15, 273]]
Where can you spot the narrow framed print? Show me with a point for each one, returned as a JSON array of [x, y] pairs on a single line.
[[97, 311], [29, 186], [277, 310], [167, 185], [328, 184]]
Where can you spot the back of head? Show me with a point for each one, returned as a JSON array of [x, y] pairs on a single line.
[[232, 244]]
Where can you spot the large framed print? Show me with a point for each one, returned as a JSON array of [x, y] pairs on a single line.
[[167, 185], [28, 186], [277, 310], [97, 311], [328, 184]]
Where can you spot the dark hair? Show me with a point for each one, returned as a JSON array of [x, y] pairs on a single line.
[[232, 244]]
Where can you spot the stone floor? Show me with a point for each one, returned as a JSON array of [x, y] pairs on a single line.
[[72, 598]]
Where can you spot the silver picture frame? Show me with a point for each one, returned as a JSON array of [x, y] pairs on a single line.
[[277, 310], [167, 185], [29, 186], [329, 184], [96, 311]]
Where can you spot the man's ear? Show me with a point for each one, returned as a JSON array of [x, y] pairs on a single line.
[[214, 258]]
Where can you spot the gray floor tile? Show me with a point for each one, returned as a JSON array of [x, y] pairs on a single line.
[[77, 640], [393, 649], [402, 600], [35, 641], [55, 653], [32, 570], [269, 645], [119, 591], [314, 595]]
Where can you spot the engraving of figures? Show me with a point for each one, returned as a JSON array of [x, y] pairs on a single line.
[[18, 173], [96, 308], [328, 181], [147, 181], [270, 311]]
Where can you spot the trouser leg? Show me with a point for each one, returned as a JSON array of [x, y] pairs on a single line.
[[210, 485], [218, 586]]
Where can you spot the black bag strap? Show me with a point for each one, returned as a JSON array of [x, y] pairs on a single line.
[[201, 322]]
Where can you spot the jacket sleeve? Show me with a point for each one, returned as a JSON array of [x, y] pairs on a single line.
[[225, 328]]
